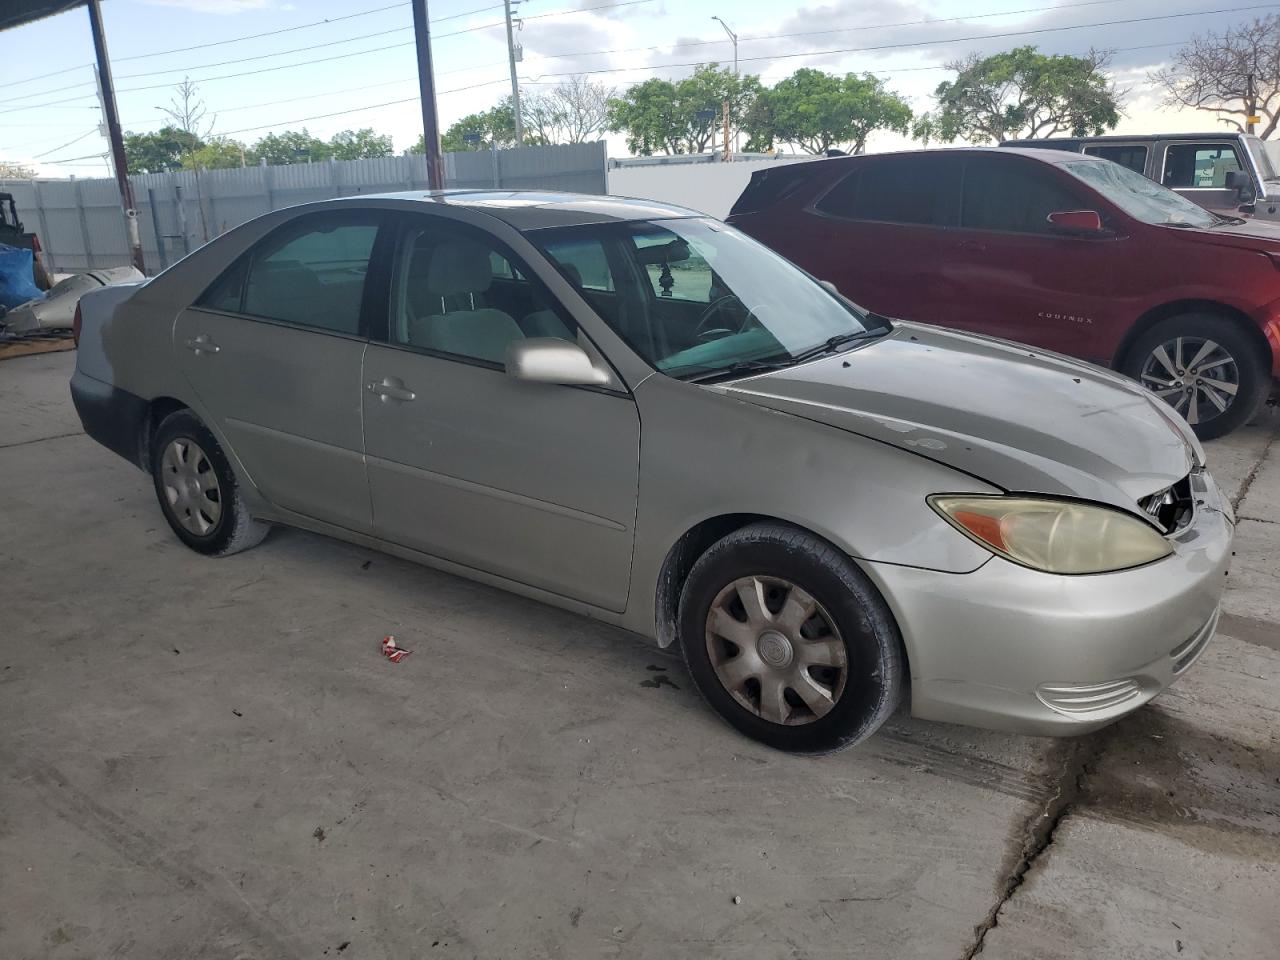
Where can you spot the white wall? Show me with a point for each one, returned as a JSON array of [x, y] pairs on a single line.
[[706, 187]]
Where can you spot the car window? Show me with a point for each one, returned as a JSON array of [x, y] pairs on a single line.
[[688, 277], [583, 262], [312, 273], [456, 291], [1199, 166], [227, 291], [1133, 156], [919, 190], [1012, 195]]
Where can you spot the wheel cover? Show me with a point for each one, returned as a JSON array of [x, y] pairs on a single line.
[[1197, 377], [190, 486], [776, 650]]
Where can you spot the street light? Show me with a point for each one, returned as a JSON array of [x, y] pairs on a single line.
[[734, 37]]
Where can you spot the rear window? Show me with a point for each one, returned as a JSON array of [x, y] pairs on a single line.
[[767, 187], [918, 190], [1133, 156]]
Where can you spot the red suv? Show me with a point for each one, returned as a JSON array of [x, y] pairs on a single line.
[[1060, 250]]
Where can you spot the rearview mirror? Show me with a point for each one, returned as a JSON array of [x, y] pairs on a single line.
[[552, 360], [1080, 222]]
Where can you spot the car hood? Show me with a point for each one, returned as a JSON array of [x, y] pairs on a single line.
[[1253, 234], [1016, 417]]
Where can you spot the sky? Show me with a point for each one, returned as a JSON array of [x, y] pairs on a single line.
[[247, 61]]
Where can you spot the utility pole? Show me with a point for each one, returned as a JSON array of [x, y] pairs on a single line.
[[514, 53], [427, 96], [119, 161], [734, 37], [1251, 106]]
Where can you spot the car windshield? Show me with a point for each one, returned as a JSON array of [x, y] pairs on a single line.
[[696, 298], [1139, 197]]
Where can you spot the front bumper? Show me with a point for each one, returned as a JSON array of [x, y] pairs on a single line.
[[1014, 649]]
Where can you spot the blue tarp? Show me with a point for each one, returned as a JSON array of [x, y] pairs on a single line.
[[17, 284]]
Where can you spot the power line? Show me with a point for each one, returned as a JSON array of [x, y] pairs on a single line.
[[250, 36], [923, 43], [94, 132]]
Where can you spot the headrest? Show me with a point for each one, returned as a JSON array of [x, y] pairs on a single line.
[[461, 266]]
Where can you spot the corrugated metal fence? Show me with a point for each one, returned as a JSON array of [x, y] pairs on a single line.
[[81, 227]]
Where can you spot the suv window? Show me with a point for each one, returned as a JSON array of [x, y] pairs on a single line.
[[910, 190], [1133, 156], [456, 291], [1199, 166], [1012, 195], [311, 273]]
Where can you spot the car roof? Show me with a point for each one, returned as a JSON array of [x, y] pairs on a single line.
[[1136, 138], [540, 209], [1046, 155]]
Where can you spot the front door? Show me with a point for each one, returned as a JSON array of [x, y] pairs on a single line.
[[533, 482], [1199, 171], [1010, 275], [274, 350]]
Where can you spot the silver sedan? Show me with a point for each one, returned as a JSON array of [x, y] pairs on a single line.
[[638, 413]]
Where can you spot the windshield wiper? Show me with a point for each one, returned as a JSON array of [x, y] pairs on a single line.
[[831, 344], [740, 367]]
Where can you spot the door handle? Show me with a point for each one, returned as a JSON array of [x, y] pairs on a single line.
[[202, 344], [390, 388], [972, 246]]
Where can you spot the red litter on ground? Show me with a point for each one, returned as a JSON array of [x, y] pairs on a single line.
[[391, 651]]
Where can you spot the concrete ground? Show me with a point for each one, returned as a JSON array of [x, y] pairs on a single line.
[[209, 759]]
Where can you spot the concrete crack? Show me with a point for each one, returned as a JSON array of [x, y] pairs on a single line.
[[1253, 474], [27, 443], [1038, 832]]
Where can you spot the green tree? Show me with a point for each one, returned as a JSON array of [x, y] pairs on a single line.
[[818, 111], [158, 152], [291, 146], [684, 116], [1024, 93], [359, 144], [219, 153]]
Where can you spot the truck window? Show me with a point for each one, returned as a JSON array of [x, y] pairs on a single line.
[[1199, 166], [1133, 156]]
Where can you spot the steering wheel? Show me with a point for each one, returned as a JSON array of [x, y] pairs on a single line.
[[703, 330]]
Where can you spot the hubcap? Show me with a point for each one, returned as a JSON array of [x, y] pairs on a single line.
[[776, 650], [190, 486], [1197, 377]]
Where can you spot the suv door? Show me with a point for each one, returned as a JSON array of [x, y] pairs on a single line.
[[1010, 274], [880, 232], [533, 482], [273, 351], [1198, 170], [1135, 156]]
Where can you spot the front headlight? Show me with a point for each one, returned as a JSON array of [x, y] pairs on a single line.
[[1056, 536]]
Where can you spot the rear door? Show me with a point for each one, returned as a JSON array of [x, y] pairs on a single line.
[[880, 232], [1009, 274], [274, 349], [533, 482]]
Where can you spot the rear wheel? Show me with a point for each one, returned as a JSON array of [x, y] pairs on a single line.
[[1205, 367], [789, 641], [197, 489]]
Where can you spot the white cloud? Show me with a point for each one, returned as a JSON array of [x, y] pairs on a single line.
[[212, 6]]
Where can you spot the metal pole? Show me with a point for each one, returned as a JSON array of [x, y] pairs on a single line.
[[113, 133], [734, 37], [427, 96], [155, 225], [515, 83]]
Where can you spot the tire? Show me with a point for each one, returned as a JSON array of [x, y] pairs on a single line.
[[848, 618], [1243, 368], [197, 489]]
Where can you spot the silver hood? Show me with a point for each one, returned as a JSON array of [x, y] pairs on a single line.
[[1016, 417]]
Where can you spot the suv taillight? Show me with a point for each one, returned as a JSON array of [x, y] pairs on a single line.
[[75, 326]]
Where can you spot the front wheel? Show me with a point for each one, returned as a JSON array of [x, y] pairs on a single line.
[[789, 641], [1205, 367]]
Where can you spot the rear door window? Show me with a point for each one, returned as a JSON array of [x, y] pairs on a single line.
[[312, 272], [1012, 195], [919, 190], [1131, 155], [1199, 166]]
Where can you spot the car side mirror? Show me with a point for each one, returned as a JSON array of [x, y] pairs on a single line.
[[552, 360], [1242, 184], [1078, 222]]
